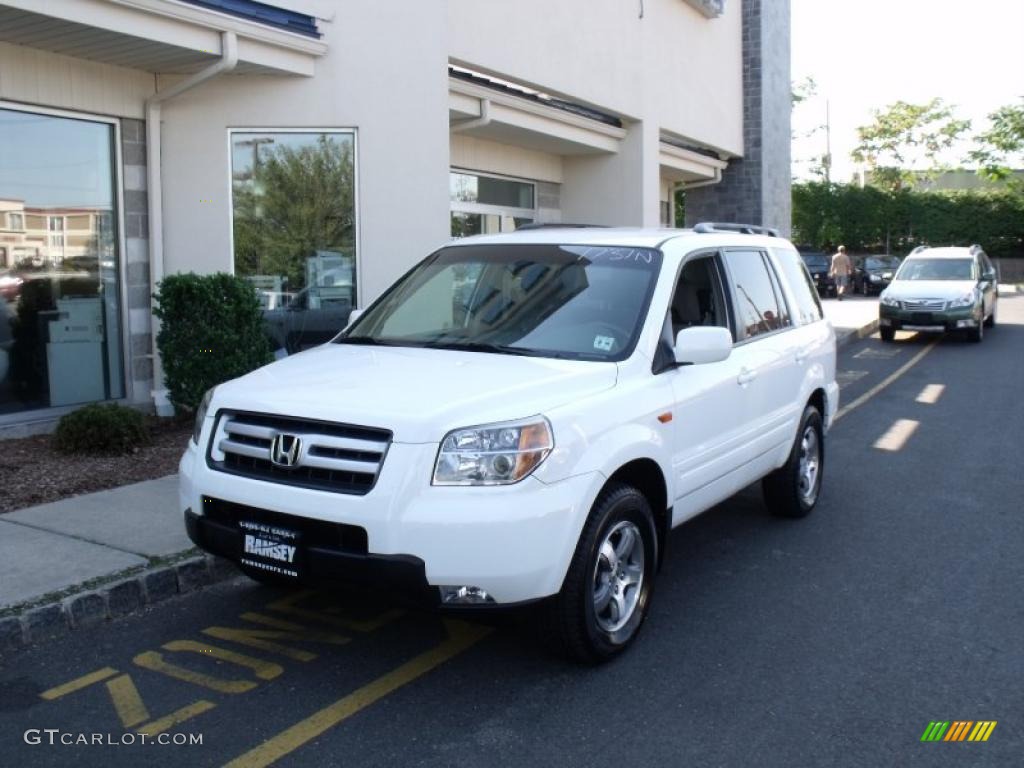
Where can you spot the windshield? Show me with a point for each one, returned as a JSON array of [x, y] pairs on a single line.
[[937, 269], [815, 259], [570, 301], [881, 262]]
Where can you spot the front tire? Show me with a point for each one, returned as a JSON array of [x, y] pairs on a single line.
[[793, 489], [604, 598], [887, 334], [977, 333]]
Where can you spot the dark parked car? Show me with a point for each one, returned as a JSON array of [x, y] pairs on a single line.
[[872, 274], [818, 265]]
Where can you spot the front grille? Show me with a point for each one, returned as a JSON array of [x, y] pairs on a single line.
[[341, 458], [315, 533], [927, 305]]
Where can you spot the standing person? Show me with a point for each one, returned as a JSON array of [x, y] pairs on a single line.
[[841, 270]]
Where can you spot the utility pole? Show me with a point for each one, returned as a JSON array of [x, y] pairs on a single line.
[[827, 160], [255, 144]]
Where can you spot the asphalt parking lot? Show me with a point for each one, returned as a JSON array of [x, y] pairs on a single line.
[[833, 640]]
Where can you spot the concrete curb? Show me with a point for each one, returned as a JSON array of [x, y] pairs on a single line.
[[89, 607], [847, 337]]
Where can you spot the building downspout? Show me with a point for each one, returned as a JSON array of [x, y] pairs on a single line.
[[226, 63], [717, 179], [708, 183], [475, 122]]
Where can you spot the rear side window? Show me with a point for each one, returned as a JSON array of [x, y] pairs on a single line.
[[757, 308], [808, 305]]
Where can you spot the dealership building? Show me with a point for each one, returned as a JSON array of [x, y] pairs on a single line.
[[320, 148]]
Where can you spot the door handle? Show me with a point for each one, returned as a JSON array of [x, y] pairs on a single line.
[[746, 376]]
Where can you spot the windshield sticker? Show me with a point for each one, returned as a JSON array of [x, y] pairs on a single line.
[[604, 343]]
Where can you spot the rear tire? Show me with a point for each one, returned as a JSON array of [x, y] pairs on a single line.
[[793, 489], [887, 334], [604, 598]]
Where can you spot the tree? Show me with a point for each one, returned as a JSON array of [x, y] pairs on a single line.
[[1005, 137], [802, 92], [904, 135]]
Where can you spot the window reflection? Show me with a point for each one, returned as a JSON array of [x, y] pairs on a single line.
[[294, 231], [59, 313]]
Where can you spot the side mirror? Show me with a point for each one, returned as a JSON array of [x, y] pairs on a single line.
[[989, 276], [354, 315], [703, 344]]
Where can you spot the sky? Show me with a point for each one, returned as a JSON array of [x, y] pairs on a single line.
[[866, 54]]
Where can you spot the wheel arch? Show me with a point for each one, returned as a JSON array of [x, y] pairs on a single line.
[[646, 476]]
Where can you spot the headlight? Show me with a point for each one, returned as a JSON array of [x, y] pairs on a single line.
[[494, 454], [204, 406], [889, 301], [874, 278], [967, 300]]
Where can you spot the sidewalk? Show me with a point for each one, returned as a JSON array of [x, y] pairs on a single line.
[[853, 318], [80, 561]]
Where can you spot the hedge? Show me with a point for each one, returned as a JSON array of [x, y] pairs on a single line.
[[872, 220]]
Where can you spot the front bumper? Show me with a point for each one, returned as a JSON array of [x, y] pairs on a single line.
[[514, 542], [898, 318]]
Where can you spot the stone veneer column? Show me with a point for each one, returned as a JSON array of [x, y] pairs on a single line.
[[139, 361], [756, 188]]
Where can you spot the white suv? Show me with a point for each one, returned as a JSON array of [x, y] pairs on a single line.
[[524, 417]]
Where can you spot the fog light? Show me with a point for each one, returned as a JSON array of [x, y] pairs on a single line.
[[464, 596], [968, 323]]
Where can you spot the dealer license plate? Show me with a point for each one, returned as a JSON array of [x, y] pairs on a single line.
[[270, 548]]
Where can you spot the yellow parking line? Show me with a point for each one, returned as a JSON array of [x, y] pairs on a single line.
[[127, 701], [886, 381], [78, 683], [176, 718], [460, 637]]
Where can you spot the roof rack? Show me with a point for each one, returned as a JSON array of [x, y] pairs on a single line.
[[553, 225], [746, 229]]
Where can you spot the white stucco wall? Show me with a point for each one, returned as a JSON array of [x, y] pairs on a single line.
[[482, 155], [384, 76], [673, 67]]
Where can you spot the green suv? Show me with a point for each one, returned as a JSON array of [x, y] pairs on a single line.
[[941, 289]]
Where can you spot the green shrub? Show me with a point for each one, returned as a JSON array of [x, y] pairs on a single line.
[[101, 428], [211, 331]]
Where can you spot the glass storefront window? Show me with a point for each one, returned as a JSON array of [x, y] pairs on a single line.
[[294, 224], [487, 205], [466, 188], [60, 320]]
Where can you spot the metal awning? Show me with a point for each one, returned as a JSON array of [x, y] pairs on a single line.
[[159, 36]]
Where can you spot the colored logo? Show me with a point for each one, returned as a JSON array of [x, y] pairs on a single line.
[[959, 730]]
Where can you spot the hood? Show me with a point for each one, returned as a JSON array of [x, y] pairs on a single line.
[[419, 394], [929, 289]]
